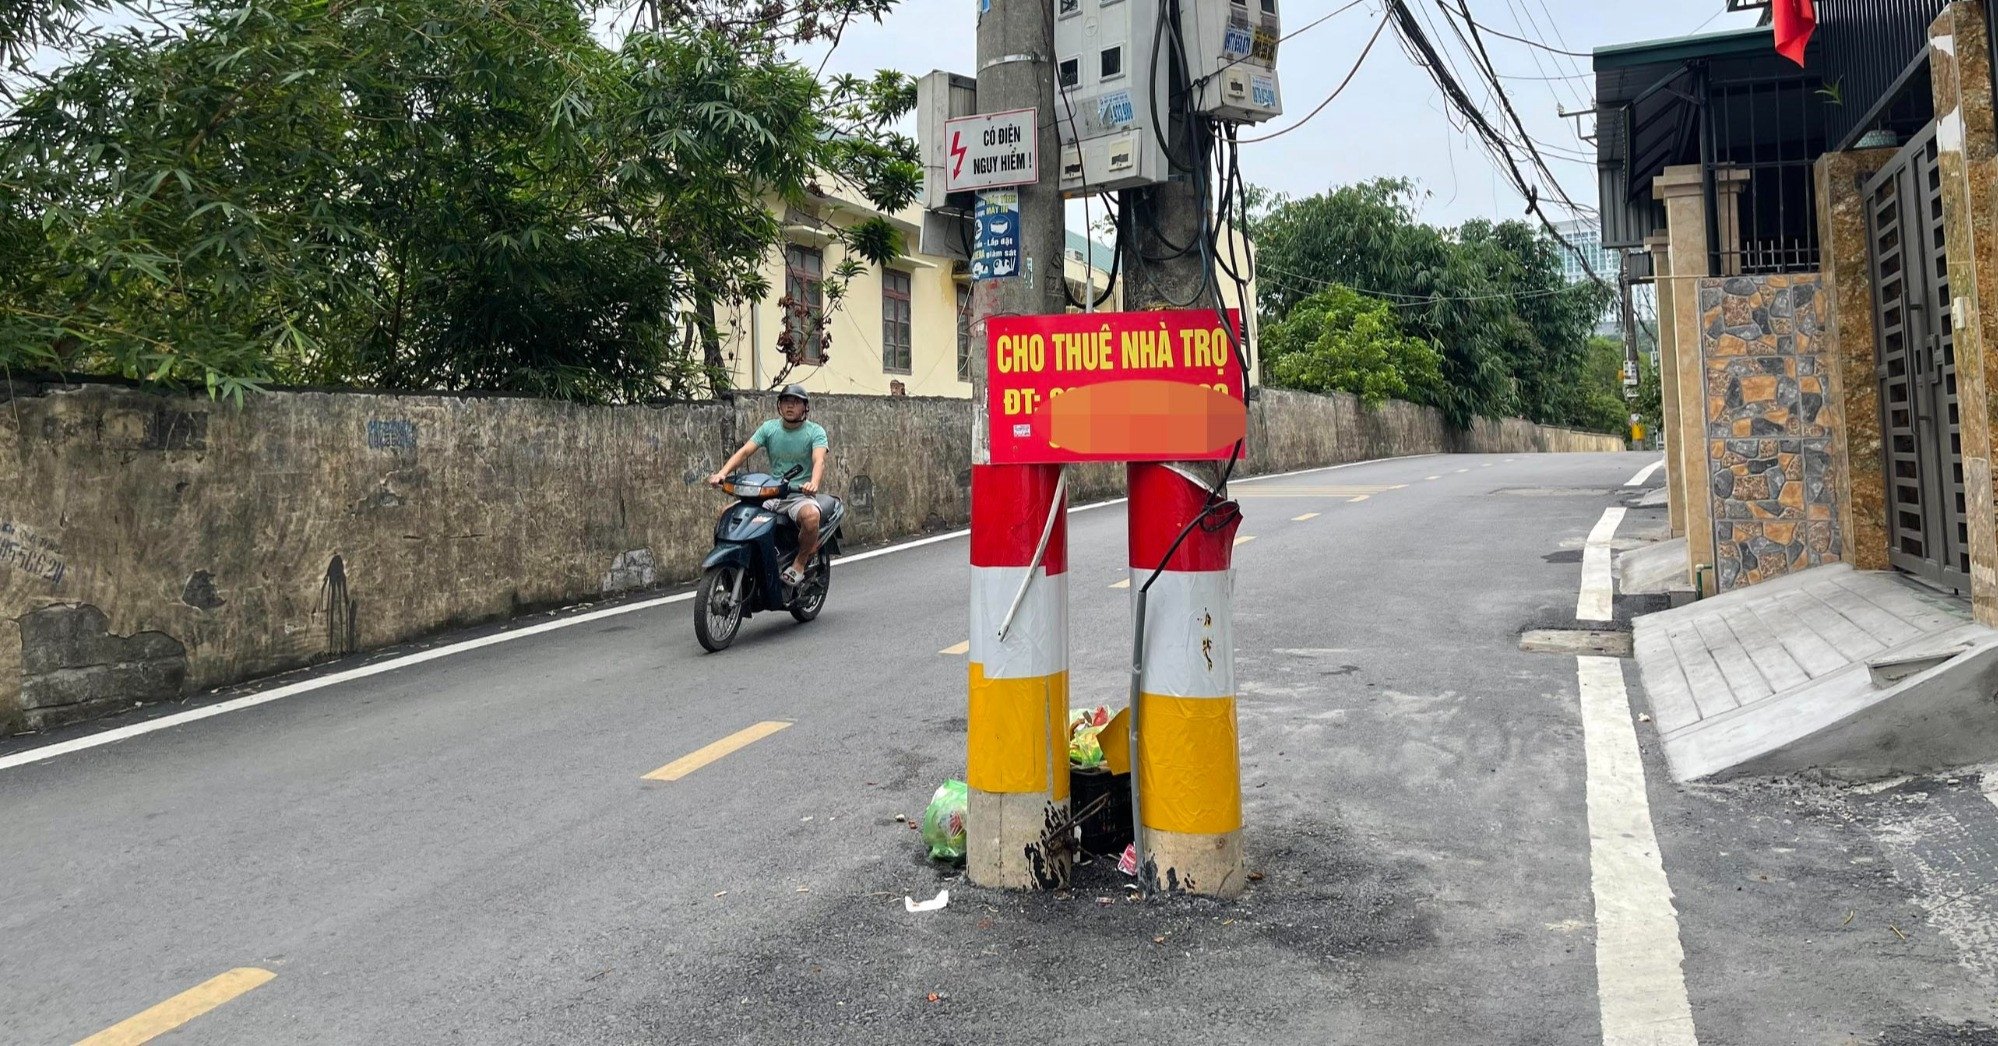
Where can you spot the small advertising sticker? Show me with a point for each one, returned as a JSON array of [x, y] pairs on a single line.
[[995, 248], [1114, 386], [991, 151]]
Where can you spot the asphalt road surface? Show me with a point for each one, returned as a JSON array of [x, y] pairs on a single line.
[[468, 849]]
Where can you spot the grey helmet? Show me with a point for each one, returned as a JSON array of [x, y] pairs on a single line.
[[797, 390]]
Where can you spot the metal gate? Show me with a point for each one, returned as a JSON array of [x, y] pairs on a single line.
[[1928, 532]]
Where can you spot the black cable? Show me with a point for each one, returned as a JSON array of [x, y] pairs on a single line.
[[1161, 116], [1490, 72], [1301, 30], [1336, 91], [1425, 54], [1533, 43], [1109, 287]]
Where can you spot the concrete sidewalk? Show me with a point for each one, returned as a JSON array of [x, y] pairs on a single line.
[[1858, 672]]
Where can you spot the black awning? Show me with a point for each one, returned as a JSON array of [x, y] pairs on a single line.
[[1650, 101]]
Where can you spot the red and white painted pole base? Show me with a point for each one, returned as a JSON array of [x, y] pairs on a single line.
[[1016, 759], [1188, 770]]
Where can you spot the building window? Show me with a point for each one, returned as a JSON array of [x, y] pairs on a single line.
[[805, 290], [964, 334], [895, 312]]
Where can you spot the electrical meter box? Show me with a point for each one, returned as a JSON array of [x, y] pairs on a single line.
[[1231, 49], [1104, 99]]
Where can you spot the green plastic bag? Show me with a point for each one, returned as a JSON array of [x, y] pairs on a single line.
[[943, 822], [1085, 749]]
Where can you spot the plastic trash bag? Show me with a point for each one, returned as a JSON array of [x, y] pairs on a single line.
[[943, 822], [1084, 724]]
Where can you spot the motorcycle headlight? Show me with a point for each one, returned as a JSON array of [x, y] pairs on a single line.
[[742, 491]]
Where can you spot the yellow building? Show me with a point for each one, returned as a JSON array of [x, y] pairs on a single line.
[[902, 329]]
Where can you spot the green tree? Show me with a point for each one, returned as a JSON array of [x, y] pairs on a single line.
[[436, 194], [1649, 405], [1341, 340], [1488, 295], [1600, 405]]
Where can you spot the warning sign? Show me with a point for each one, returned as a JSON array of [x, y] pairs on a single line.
[[990, 151], [1114, 386]]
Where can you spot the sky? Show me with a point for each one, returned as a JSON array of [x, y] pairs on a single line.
[[1392, 120]]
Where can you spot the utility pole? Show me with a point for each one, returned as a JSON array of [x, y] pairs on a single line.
[[1017, 723], [1186, 763]]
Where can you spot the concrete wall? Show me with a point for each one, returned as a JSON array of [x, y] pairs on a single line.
[[154, 545]]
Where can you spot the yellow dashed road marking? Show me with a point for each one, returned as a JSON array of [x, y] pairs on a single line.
[[961, 648], [1307, 515], [1244, 539], [693, 761], [181, 1008], [1355, 501], [1126, 583], [1315, 492], [1432, 477]]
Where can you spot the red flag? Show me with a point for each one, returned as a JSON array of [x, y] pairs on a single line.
[[1794, 21]]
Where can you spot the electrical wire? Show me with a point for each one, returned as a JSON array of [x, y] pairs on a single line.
[[1482, 61], [1336, 91], [1396, 300], [1423, 51], [1583, 100], [1281, 40], [1533, 43]]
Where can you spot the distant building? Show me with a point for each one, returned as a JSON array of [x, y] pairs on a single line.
[[1586, 237]]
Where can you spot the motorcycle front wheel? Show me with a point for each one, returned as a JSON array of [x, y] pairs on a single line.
[[717, 610], [817, 581]]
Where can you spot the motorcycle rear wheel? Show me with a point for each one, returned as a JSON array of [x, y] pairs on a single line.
[[717, 612]]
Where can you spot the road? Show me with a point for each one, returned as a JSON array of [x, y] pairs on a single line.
[[467, 849]]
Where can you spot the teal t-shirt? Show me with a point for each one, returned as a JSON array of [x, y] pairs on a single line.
[[789, 448]]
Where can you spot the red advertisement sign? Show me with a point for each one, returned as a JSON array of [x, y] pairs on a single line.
[[1113, 386]]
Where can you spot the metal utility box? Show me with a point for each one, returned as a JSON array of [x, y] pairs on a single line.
[[1231, 50], [939, 97], [1107, 87]]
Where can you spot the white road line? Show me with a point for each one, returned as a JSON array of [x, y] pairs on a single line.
[[1594, 603], [1640, 976], [126, 733], [1330, 468], [1645, 473]]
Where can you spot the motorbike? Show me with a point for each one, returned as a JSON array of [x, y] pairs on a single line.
[[742, 575]]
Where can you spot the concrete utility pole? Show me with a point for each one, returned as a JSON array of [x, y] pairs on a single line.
[[1187, 765], [1016, 765]]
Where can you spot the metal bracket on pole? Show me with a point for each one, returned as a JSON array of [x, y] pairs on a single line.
[[1040, 550], [1137, 799], [1008, 58]]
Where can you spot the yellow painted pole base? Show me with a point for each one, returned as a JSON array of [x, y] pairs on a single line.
[[1008, 844], [1207, 865]]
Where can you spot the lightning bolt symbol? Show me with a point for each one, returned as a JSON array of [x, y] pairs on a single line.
[[957, 151]]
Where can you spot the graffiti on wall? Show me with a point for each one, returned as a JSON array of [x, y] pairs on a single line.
[[391, 434], [334, 601], [37, 555]]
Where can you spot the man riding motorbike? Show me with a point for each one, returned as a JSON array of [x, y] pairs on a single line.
[[793, 441]]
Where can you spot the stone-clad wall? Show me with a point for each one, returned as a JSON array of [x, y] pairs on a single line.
[[1960, 63], [1771, 427], [154, 544]]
